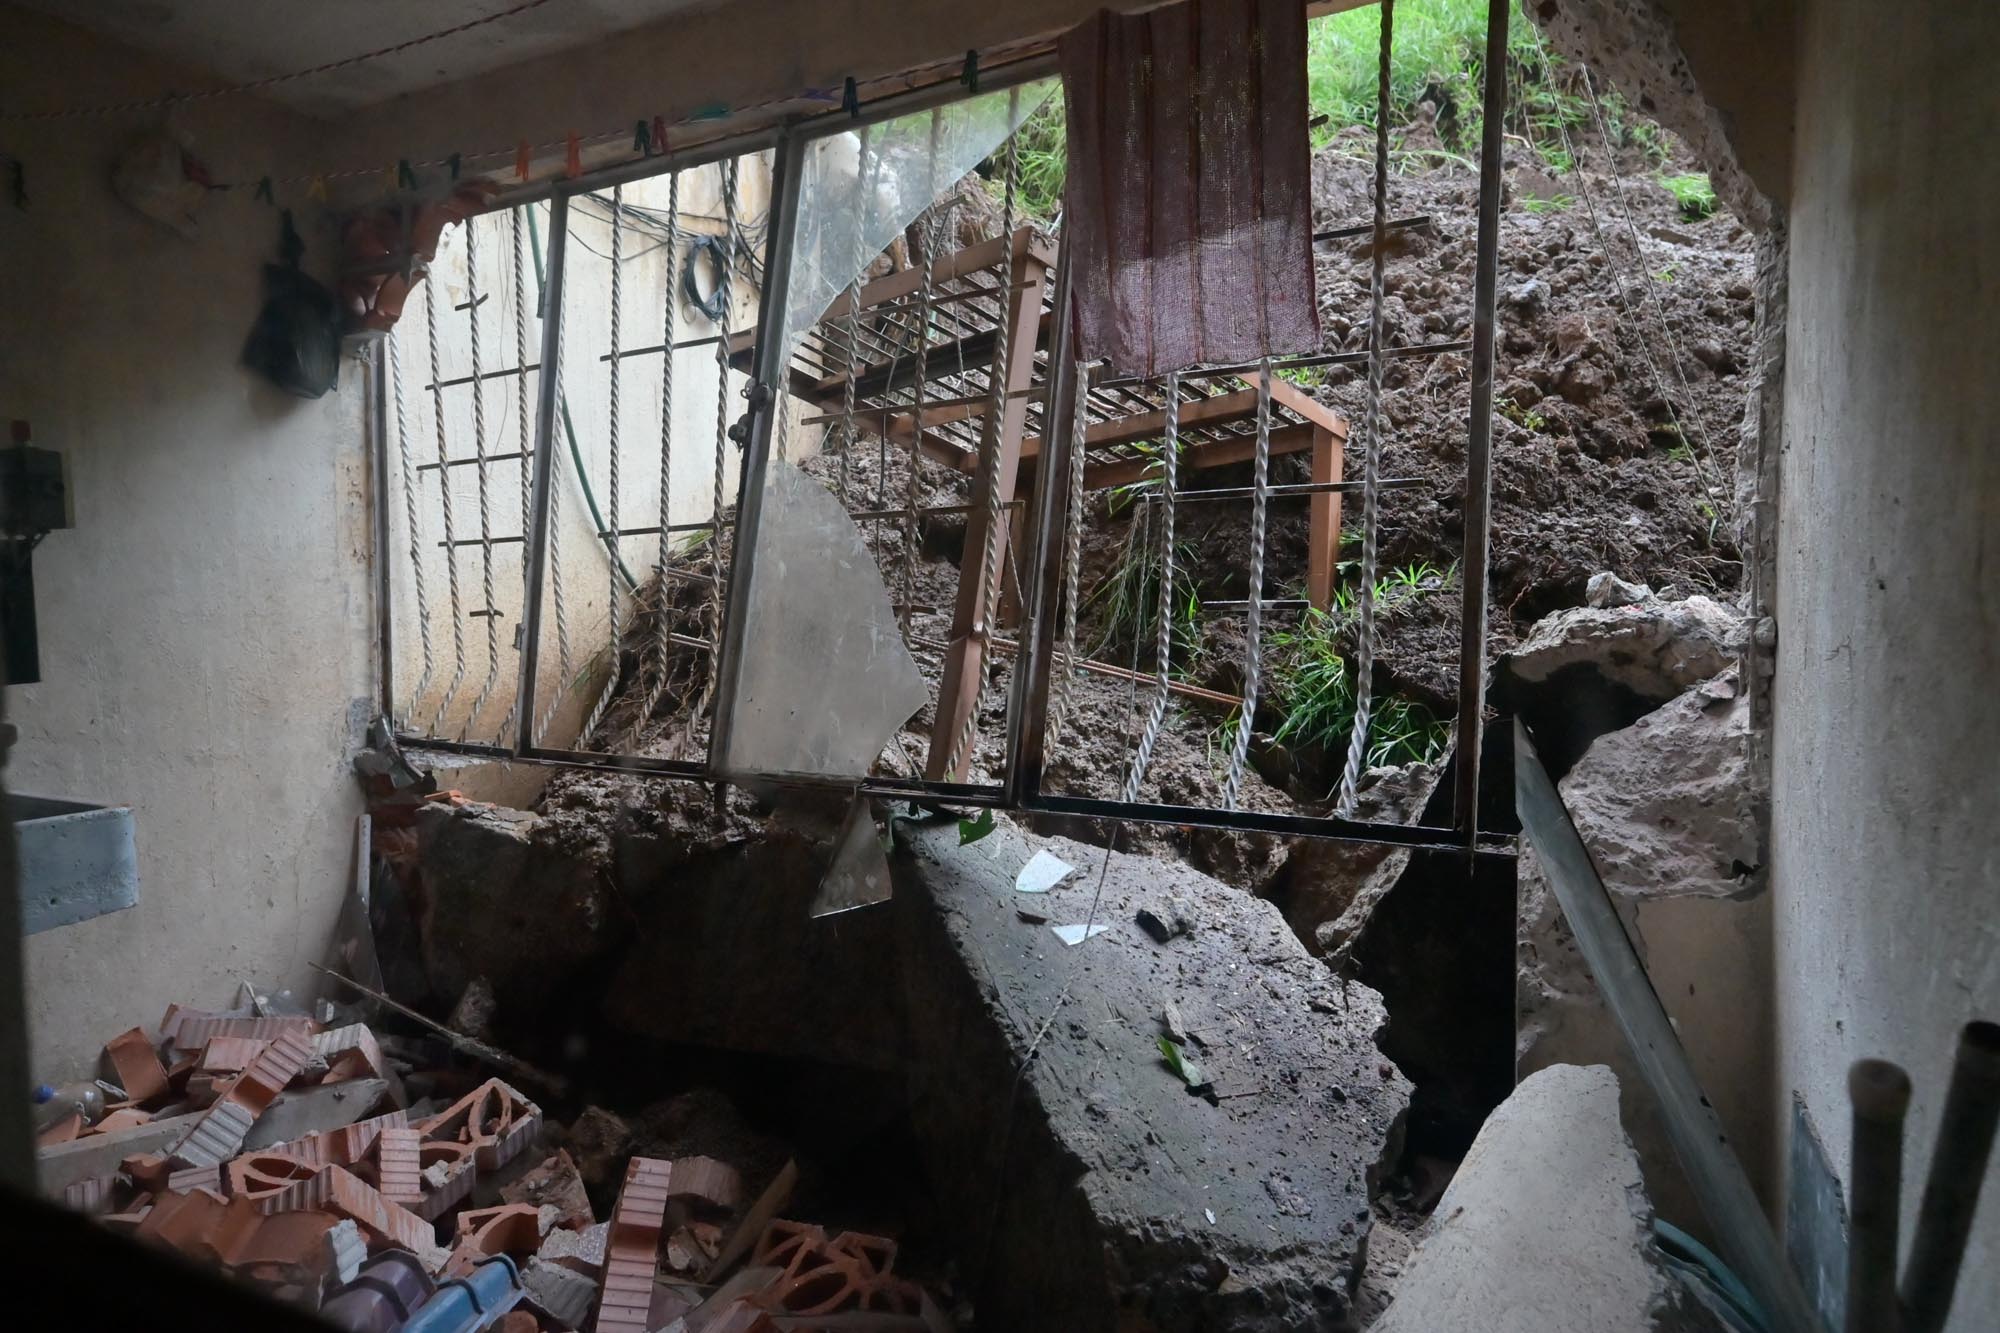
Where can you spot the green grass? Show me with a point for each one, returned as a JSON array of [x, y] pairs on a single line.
[[1435, 68], [1692, 191], [1313, 686], [1127, 601]]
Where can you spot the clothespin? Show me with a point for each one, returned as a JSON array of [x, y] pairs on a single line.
[[573, 160], [17, 183], [316, 189], [850, 97], [642, 139], [521, 155], [454, 163], [389, 179], [263, 194], [406, 179], [660, 134], [969, 76]]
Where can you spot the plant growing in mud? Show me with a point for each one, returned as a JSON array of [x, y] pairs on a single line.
[[1125, 602], [1313, 686], [1692, 191]]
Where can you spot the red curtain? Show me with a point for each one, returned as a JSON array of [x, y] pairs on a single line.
[[1189, 198]]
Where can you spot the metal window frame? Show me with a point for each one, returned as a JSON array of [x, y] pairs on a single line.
[[1020, 786]]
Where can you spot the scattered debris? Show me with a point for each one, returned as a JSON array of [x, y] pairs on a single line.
[[471, 1046], [1078, 933], [1043, 872], [306, 1176]]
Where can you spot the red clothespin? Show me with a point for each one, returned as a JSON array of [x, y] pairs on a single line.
[[659, 135], [521, 155], [573, 164]]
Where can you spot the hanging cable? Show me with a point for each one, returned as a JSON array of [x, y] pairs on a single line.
[[611, 681], [492, 607], [1163, 641], [1072, 552], [410, 480], [1371, 471], [913, 489], [662, 633], [1253, 647], [728, 174], [991, 442], [845, 442], [450, 534]]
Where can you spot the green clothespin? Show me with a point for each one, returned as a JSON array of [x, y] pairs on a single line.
[[263, 194], [17, 183], [850, 97], [642, 138], [969, 76], [406, 179], [455, 162]]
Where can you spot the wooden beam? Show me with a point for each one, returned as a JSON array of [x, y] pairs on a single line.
[[1215, 453], [1323, 525], [1288, 395], [964, 671]]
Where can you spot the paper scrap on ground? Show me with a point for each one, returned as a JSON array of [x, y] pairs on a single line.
[[1043, 872], [1078, 933]]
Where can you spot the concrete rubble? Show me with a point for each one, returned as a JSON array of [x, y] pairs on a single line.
[[1546, 1228], [1671, 810], [1107, 1183], [457, 1214]]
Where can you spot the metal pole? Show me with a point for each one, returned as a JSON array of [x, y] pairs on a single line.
[[1720, 1186], [537, 553], [1880, 1095], [1028, 703], [378, 369], [1479, 444], [767, 385], [1958, 1168]]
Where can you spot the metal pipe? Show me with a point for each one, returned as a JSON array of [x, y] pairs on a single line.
[[536, 555], [1720, 1186], [1479, 442], [378, 370], [1879, 1093], [1297, 489], [1295, 363], [1258, 821], [1958, 1168], [767, 385]]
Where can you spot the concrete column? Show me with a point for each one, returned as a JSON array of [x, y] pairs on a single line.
[[1887, 742]]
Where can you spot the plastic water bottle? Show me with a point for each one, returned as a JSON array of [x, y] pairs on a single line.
[[53, 1104]]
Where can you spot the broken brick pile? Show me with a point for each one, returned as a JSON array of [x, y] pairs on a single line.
[[370, 1210]]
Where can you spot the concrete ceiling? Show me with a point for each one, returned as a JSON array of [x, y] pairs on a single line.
[[237, 42]]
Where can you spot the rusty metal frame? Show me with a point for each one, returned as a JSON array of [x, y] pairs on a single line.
[[1020, 787]]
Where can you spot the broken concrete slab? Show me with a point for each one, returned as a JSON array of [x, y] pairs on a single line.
[[1545, 1228], [1328, 888], [1097, 1189], [1654, 647], [1671, 810], [493, 881]]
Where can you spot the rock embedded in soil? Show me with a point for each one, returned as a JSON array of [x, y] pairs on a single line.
[[1671, 809], [1096, 1191]]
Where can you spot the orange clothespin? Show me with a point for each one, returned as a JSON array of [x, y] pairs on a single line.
[[659, 135], [521, 155], [316, 189], [573, 166]]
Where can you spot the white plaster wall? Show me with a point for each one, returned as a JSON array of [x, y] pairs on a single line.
[[202, 627], [1887, 745]]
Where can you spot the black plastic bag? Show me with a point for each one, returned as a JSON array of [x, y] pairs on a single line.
[[295, 342]]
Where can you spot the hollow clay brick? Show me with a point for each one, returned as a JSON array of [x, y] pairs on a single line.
[[136, 1065], [632, 1250]]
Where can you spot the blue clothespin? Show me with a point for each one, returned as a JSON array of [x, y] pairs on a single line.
[[970, 75], [850, 97]]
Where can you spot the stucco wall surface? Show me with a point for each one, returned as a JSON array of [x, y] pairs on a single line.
[[202, 626], [1887, 745]]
